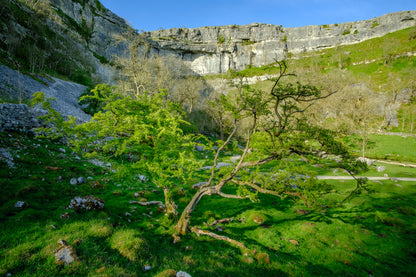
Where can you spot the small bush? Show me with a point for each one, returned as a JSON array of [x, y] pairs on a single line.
[[130, 244], [346, 32], [221, 39]]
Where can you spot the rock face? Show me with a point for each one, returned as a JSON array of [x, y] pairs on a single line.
[[212, 50]]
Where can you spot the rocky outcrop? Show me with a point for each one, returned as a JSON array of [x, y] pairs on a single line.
[[212, 50], [19, 117]]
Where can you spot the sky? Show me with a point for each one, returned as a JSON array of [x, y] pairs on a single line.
[[150, 15]]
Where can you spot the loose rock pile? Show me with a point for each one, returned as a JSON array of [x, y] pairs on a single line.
[[19, 117], [88, 203]]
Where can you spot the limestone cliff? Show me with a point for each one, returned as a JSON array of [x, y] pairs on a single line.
[[213, 50]]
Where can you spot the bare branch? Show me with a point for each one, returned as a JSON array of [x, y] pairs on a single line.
[[258, 188], [218, 153], [159, 203], [231, 195], [199, 231]]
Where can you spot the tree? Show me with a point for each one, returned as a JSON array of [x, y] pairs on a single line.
[[277, 130], [147, 131]]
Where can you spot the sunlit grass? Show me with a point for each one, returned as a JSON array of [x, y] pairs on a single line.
[[370, 234]]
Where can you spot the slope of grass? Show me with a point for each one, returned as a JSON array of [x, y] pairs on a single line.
[[374, 234]]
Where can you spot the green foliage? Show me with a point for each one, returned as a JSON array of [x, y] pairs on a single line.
[[221, 39], [246, 42], [148, 127], [375, 24], [346, 32], [97, 98], [56, 125]]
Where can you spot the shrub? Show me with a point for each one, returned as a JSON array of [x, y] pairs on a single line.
[[221, 39]]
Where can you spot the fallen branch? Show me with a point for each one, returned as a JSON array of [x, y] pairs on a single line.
[[159, 203], [224, 220], [199, 232]]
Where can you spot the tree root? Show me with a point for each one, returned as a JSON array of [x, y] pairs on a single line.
[[199, 231]]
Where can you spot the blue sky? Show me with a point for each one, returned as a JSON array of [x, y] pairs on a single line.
[[150, 15]]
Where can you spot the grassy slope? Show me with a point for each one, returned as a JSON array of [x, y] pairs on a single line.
[[386, 64], [374, 234]]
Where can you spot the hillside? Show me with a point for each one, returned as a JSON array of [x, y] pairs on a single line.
[[67, 39], [179, 169]]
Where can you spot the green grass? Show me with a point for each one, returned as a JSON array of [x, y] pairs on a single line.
[[373, 234], [392, 147]]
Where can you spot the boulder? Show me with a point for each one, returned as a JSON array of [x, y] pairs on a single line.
[[88, 203], [65, 254]]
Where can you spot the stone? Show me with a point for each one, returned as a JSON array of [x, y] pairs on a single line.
[[366, 161], [81, 180], [65, 254], [198, 185], [88, 203], [199, 148], [381, 168], [73, 181], [97, 162], [235, 159], [182, 274], [65, 216], [222, 164], [21, 204], [147, 267], [143, 178]]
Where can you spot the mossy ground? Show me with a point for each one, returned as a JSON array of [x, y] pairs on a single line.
[[375, 234]]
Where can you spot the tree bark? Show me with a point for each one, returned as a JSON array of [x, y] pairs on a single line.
[[170, 205]]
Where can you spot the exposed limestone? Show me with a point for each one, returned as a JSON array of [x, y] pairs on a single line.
[[65, 254], [212, 50]]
